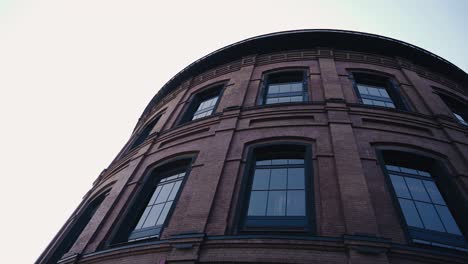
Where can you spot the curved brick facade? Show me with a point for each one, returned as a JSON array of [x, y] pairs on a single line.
[[352, 211]]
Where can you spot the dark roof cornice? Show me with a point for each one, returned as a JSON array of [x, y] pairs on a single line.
[[312, 38]]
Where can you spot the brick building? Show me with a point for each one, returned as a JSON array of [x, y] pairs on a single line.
[[310, 146]]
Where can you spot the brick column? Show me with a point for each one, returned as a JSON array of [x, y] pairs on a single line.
[[331, 81], [358, 212], [432, 101], [236, 90], [194, 205], [198, 202]]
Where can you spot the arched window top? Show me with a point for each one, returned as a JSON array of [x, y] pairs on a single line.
[[410, 160]]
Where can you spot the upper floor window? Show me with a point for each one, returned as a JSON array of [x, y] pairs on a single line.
[[285, 87], [378, 91], [427, 215], [459, 109], [203, 104], [144, 133], [279, 191], [153, 205], [206, 107]]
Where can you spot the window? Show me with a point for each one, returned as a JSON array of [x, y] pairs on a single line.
[[459, 110], [427, 215], [203, 104], [377, 90], [285, 87], [155, 214], [152, 207], [77, 227], [278, 189], [145, 132]]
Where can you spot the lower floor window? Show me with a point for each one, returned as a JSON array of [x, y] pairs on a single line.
[[153, 205], [158, 207], [424, 209], [277, 188]]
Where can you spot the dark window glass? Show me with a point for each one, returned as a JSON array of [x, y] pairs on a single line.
[[277, 189], [258, 202], [159, 205], [145, 132], [410, 212], [277, 182], [378, 91], [285, 87], [75, 231], [423, 207], [459, 109]]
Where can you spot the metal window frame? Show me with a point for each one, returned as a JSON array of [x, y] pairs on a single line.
[[196, 98], [265, 82], [390, 85], [271, 224], [127, 223], [155, 231], [415, 235]]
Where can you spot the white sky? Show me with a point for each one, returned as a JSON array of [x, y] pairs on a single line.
[[76, 75]]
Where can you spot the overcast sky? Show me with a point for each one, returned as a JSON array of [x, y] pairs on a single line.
[[76, 75]]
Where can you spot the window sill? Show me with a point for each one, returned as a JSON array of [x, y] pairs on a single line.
[[195, 121], [428, 244]]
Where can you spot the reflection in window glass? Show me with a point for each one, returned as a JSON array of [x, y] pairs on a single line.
[[400, 187], [282, 185], [296, 203], [285, 87], [258, 202], [448, 220], [429, 216], [375, 95], [417, 189], [422, 204], [460, 119], [159, 205], [276, 203], [410, 213], [205, 108]]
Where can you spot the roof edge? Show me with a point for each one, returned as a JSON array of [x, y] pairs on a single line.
[[357, 39]]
